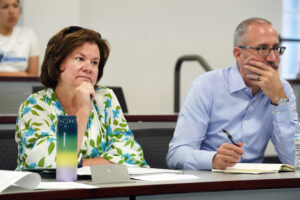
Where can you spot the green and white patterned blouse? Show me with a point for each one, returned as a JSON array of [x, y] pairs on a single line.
[[107, 134]]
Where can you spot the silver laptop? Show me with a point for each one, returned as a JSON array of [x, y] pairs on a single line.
[[110, 173]]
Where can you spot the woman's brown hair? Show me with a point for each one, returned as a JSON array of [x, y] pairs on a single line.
[[62, 44]]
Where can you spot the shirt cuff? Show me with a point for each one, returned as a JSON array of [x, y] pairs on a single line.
[[282, 112], [200, 160]]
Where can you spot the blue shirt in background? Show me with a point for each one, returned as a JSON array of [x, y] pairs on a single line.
[[220, 99]]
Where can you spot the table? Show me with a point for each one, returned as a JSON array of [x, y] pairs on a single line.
[[209, 185]]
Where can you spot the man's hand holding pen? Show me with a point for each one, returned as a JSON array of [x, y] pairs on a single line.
[[227, 154]]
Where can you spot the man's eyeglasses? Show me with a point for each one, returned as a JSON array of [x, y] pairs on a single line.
[[264, 51]]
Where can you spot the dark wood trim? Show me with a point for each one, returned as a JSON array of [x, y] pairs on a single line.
[[151, 118], [129, 118], [20, 78], [294, 81], [8, 119], [157, 189]]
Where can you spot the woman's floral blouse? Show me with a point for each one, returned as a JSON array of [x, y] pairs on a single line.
[[107, 134]]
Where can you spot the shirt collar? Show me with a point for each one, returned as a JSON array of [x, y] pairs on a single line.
[[236, 81]]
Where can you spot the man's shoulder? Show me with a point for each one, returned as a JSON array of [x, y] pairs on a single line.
[[284, 82], [211, 78], [286, 85]]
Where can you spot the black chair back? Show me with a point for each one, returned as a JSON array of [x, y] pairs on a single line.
[[8, 150], [155, 145], [121, 98]]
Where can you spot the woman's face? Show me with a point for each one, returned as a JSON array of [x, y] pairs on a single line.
[[80, 66], [9, 13]]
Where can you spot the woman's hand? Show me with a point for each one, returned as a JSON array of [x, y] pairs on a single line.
[[84, 93], [95, 161]]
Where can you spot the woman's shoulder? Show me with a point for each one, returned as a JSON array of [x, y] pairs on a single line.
[[41, 95], [21, 31], [38, 100], [103, 91], [44, 92], [104, 95]]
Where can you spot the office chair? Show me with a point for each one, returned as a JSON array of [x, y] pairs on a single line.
[[8, 150], [121, 98], [37, 88], [155, 145], [271, 159]]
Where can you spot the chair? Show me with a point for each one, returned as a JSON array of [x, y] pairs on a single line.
[[8, 150], [271, 159], [155, 145], [121, 98], [37, 88]]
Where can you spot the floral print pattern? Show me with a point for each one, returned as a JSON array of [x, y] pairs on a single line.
[[107, 133]]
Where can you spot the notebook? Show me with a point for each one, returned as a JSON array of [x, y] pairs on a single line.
[[256, 168]]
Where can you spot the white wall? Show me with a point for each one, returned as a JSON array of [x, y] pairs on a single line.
[[147, 37], [47, 17]]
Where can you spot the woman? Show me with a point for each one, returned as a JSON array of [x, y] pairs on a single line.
[[73, 64], [18, 45]]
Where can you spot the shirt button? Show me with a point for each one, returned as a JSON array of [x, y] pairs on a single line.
[[245, 144], [278, 112], [273, 112]]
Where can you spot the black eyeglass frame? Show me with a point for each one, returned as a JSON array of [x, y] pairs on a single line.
[[277, 50]]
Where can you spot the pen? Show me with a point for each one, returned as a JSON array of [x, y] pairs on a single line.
[[229, 136]]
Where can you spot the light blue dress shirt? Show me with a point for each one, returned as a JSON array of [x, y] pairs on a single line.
[[220, 99]]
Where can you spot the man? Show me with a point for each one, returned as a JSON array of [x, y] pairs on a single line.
[[248, 100]]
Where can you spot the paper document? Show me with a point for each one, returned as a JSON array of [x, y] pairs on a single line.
[[132, 171], [27, 180], [141, 170], [164, 177], [63, 185], [256, 168]]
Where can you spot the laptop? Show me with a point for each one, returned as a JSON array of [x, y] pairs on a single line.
[[105, 173], [110, 173]]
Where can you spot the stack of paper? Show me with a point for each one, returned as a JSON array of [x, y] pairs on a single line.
[[31, 180], [25, 180]]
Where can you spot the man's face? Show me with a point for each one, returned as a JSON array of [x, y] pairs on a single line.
[[258, 35]]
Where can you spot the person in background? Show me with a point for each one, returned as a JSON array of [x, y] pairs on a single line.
[[73, 64], [19, 53], [248, 100]]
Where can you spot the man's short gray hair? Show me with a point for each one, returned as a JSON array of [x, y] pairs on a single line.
[[242, 29]]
